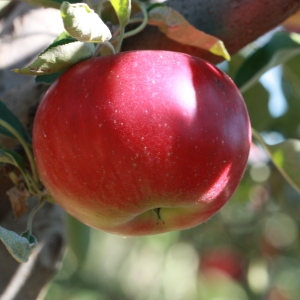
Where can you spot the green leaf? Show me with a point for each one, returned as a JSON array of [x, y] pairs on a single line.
[[19, 247], [286, 157], [59, 58], [62, 36], [122, 9], [78, 239], [281, 47], [82, 23], [10, 123], [12, 127], [48, 78], [177, 28], [11, 157], [62, 39], [31, 238]]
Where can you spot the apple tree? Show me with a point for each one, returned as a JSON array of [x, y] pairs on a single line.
[[173, 123]]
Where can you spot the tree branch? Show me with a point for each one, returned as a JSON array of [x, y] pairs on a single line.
[[236, 22], [25, 281]]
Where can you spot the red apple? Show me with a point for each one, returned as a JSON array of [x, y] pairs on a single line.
[[224, 260], [142, 142]]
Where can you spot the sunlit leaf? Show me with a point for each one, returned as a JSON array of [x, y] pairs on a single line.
[[62, 39], [122, 9], [82, 23], [281, 47], [177, 28], [59, 58]]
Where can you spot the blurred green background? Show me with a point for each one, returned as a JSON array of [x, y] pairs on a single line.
[[249, 250]]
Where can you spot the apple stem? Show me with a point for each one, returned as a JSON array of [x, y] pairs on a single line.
[[99, 6], [120, 39], [157, 212], [106, 43], [261, 141], [37, 207], [143, 24], [143, 20]]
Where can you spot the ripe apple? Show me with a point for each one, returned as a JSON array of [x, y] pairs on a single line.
[[224, 260], [142, 142]]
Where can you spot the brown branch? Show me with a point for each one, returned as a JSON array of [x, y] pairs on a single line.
[[236, 22], [25, 281]]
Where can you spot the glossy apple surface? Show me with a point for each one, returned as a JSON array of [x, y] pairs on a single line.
[[142, 142]]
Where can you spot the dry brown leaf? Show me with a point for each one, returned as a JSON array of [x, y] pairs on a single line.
[[18, 195], [177, 28]]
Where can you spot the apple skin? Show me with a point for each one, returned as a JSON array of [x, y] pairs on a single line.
[[142, 142]]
